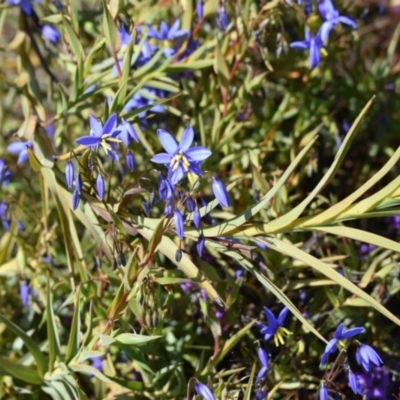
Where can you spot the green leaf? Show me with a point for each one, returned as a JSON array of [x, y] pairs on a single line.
[[52, 333], [294, 252], [21, 372], [75, 331], [33, 161], [29, 343], [74, 41], [110, 29], [89, 370], [134, 339]]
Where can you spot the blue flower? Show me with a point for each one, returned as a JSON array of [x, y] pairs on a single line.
[[313, 44], [124, 36], [222, 18], [139, 100], [323, 392], [200, 9], [165, 188], [274, 324], [167, 34], [69, 173], [180, 159], [179, 226], [366, 355], [340, 334], [127, 133], [354, 383], [100, 186], [263, 357], [201, 243], [20, 148], [332, 18], [24, 293], [26, 5], [51, 34], [204, 390], [220, 192], [130, 160], [104, 136]]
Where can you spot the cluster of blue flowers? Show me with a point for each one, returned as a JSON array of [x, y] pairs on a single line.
[[315, 42]]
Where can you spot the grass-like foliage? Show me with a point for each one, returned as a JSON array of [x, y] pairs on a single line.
[[199, 199]]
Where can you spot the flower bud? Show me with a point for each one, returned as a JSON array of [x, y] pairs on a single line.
[[221, 193], [178, 220], [201, 242], [197, 219], [130, 160], [100, 186], [76, 197], [69, 173]]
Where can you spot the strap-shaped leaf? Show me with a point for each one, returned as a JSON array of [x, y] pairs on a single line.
[[21, 372]]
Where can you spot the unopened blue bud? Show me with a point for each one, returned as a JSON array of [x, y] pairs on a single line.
[[178, 255], [69, 173], [178, 220], [100, 186], [204, 390], [24, 293], [146, 207], [190, 204], [222, 18], [221, 193], [197, 219], [79, 184], [130, 160], [200, 9], [76, 197], [201, 242]]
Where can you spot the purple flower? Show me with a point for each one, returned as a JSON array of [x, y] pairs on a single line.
[[130, 160], [127, 133], [100, 186], [197, 219], [124, 36], [69, 173], [354, 383], [273, 323], [178, 221], [313, 44], [165, 188], [76, 197], [366, 355], [167, 34], [200, 9], [138, 100], [20, 148], [220, 192], [340, 334], [323, 392], [26, 5], [97, 362], [180, 159], [204, 390], [24, 293], [51, 34], [332, 18], [263, 357], [201, 243], [104, 136], [222, 18], [262, 394]]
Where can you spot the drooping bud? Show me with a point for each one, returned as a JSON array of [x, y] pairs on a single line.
[[201, 242], [190, 204], [76, 197], [222, 18], [79, 184], [178, 220], [146, 207], [100, 186], [130, 160], [197, 219], [221, 193], [24, 293], [69, 173], [178, 255], [200, 9], [204, 390]]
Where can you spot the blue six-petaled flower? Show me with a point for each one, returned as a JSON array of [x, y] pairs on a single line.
[[104, 136], [275, 325], [340, 334], [332, 18], [366, 355], [180, 158], [313, 44]]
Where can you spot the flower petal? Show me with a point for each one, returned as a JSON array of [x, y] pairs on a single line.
[[110, 125], [325, 30], [348, 21], [162, 158], [88, 140], [352, 332], [187, 138], [177, 175], [302, 45], [96, 128], [167, 141], [198, 153], [282, 315], [16, 147]]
